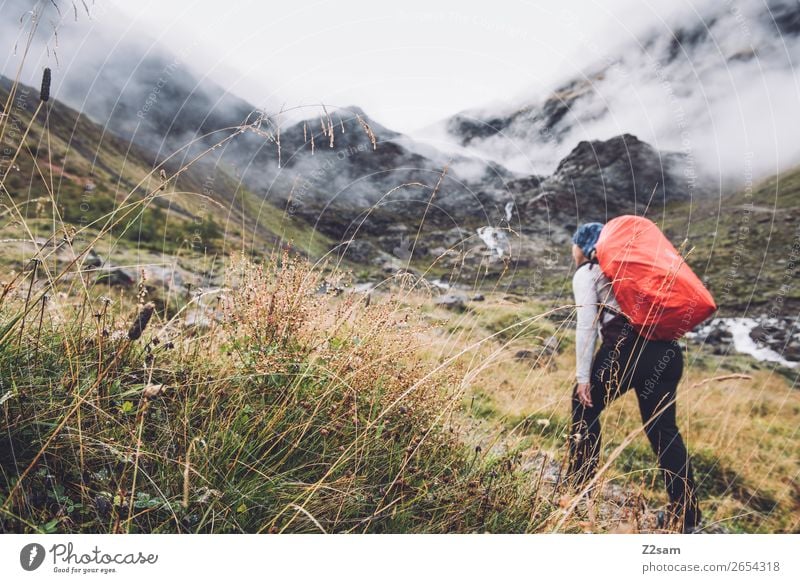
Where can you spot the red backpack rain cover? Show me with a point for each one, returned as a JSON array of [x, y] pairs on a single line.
[[656, 289]]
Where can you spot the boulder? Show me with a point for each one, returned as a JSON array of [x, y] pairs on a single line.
[[165, 278], [792, 351], [116, 276], [454, 302], [543, 355], [717, 335]]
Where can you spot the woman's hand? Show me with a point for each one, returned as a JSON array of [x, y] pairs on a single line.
[[584, 391]]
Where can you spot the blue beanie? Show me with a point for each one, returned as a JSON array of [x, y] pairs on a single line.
[[586, 237]]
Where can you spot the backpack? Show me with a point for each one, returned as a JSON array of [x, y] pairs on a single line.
[[655, 288]]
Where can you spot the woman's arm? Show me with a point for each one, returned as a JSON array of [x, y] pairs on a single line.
[[586, 328]]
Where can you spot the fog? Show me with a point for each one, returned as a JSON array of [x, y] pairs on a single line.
[[714, 80]]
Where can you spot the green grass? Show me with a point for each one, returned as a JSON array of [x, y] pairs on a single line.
[[74, 175]]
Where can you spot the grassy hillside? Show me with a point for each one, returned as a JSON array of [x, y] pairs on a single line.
[[276, 409], [71, 173]]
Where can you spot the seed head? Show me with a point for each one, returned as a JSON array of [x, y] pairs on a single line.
[[44, 94], [141, 321]]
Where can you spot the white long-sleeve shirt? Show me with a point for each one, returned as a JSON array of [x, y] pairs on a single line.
[[592, 291]]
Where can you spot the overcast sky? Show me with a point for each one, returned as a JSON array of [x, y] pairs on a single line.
[[406, 63]]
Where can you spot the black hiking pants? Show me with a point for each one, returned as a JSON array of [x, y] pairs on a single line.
[[653, 369]]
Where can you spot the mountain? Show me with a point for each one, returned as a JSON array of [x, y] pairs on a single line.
[[717, 83], [341, 172], [600, 179]]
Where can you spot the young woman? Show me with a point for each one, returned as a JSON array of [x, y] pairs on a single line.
[[624, 360]]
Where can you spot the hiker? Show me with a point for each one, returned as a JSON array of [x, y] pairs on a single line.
[[625, 359]]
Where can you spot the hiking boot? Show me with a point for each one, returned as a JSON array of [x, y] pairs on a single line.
[[672, 519]]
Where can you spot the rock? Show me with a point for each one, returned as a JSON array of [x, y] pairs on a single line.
[[92, 259], [775, 334], [392, 266], [452, 238], [792, 351], [536, 357], [478, 298], [455, 302], [326, 288], [543, 355], [758, 332], [360, 251], [524, 184], [201, 318], [114, 276], [552, 345], [717, 334], [165, 278], [623, 168], [720, 349], [67, 254]]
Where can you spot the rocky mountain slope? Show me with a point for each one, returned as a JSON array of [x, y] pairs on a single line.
[[378, 196]]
